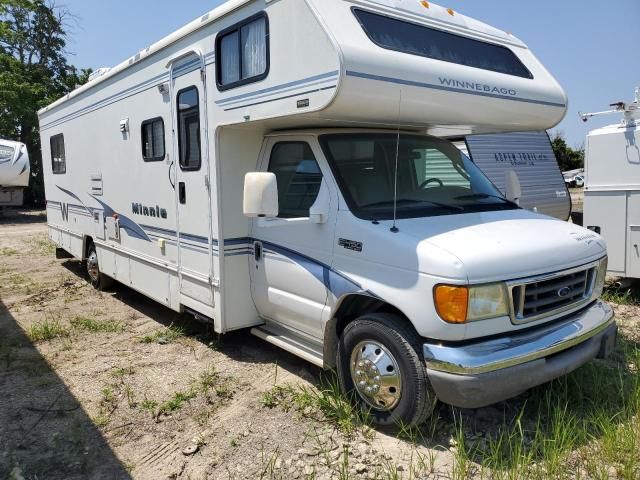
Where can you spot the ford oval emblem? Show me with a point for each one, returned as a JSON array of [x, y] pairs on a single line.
[[564, 292]]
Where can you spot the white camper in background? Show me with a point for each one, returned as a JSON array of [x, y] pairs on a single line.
[[14, 172], [612, 187], [271, 166]]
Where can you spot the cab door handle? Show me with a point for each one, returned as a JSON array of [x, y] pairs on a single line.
[[257, 251], [182, 193]]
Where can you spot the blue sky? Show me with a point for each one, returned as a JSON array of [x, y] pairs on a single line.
[[588, 45]]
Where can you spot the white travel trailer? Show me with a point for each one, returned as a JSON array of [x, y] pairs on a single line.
[[249, 168], [530, 155], [14, 172], [612, 187]]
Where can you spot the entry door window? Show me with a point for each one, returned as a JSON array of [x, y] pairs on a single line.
[[298, 176], [189, 129]]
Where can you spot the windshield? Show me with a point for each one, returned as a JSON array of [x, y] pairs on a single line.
[[434, 177]]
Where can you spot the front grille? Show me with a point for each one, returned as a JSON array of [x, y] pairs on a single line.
[[551, 294]]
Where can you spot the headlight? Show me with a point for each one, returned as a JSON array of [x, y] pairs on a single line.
[[460, 304], [487, 301], [601, 275]]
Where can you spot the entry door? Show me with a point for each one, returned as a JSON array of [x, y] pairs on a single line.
[[192, 188], [289, 267]]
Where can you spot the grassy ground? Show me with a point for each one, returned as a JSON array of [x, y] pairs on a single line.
[[111, 385]]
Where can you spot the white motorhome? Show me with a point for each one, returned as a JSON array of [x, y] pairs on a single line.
[[270, 166], [14, 172], [612, 187]]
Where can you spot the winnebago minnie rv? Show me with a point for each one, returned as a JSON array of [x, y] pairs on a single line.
[[612, 187], [271, 166], [14, 172]]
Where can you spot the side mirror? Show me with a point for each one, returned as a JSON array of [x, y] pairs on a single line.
[[513, 190], [260, 195]]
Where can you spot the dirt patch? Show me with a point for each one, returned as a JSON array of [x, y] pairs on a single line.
[[112, 385]]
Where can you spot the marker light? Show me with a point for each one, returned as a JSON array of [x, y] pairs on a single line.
[[452, 302], [451, 12], [425, 4]]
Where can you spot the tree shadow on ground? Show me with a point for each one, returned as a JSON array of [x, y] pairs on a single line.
[[44, 431], [17, 216]]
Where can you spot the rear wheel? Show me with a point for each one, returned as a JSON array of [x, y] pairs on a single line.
[[99, 280], [380, 364]]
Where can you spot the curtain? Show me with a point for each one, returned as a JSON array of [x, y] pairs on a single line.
[[254, 48], [230, 66], [158, 139]]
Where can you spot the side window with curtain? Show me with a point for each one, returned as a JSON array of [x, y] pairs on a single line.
[[189, 128], [58, 157], [153, 149], [298, 176], [242, 53]]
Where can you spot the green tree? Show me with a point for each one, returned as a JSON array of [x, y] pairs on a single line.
[[568, 158], [34, 72]]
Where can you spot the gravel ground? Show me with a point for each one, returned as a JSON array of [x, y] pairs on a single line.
[[111, 385]]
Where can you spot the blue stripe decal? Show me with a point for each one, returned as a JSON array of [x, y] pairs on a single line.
[[131, 227], [431, 86], [335, 282], [319, 82], [278, 87], [315, 90], [147, 84], [152, 82], [194, 238]]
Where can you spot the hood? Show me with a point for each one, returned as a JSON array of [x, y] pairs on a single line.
[[503, 245]]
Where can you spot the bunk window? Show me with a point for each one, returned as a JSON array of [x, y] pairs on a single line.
[[153, 140], [242, 53], [298, 176], [406, 37], [189, 128], [58, 158]]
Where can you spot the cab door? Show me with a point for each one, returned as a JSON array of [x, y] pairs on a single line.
[[192, 184], [292, 253]]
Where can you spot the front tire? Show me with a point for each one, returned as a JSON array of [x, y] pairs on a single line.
[[98, 280], [380, 365]]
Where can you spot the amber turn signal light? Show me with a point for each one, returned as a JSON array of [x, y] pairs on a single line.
[[452, 302]]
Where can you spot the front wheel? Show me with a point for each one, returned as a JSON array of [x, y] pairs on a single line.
[[98, 280], [380, 365]]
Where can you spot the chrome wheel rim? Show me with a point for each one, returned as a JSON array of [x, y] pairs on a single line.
[[92, 266], [376, 375]]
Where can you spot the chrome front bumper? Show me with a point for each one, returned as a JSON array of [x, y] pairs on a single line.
[[481, 373], [519, 347]]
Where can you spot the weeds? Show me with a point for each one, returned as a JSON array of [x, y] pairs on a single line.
[[42, 246], [210, 379], [7, 252], [47, 329], [164, 335], [587, 421], [176, 402], [149, 405], [96, 326]]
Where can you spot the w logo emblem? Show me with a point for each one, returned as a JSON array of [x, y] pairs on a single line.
[[64, 208]]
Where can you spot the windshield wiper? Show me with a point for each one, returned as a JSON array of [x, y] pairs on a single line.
[[405, 201], [473, 196]]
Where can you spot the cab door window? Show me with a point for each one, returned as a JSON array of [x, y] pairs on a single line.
[[298, 176]]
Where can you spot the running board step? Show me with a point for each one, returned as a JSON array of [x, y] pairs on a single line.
[[291, 342]]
